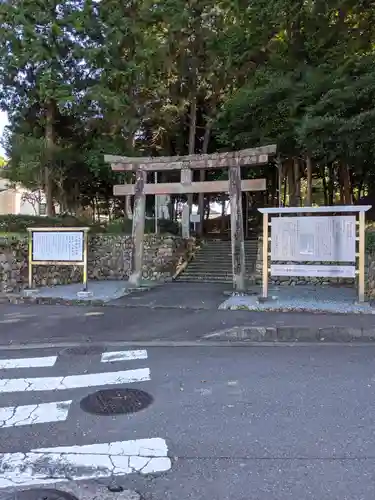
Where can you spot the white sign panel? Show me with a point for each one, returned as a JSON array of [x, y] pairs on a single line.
[[63, 246], [313, 270], [319, 238], [195, 218]]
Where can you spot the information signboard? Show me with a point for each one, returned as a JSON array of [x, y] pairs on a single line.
[[313, 243], [59, 247], [308, 239]]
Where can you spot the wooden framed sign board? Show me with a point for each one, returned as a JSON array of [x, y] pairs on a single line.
[[51, 246], [316, 242]]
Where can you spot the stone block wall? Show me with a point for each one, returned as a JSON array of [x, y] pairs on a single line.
[[370, 275], [109, 258]]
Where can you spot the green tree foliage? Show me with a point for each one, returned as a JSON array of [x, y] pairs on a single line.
[[313, 96], [81, 78]]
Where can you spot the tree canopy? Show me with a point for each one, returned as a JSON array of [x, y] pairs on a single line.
[[81, 78]]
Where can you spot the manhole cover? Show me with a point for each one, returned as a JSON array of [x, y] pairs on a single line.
[[83, 351], [39, 494], [116, 401]]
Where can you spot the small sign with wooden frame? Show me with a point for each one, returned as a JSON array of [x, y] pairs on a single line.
[[62, 246]]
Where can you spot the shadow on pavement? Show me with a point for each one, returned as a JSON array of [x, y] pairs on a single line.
[[177, 295]]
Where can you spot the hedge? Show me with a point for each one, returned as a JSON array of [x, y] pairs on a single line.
[[19, 224]]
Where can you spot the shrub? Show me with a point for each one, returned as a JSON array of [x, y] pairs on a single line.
[[169, 226], [370, 241], [124, 226], [20, 223]]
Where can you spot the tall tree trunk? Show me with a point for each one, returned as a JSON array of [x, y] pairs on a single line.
[[280, 178], [297, 182], [285, 188], [331, 184], [345, 184], [192, 136], [309, 181], [202, 176], [50, 143], [325, 185], [192, 124], [291, 184]]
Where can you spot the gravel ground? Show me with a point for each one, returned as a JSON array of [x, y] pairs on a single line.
[[303, 298]]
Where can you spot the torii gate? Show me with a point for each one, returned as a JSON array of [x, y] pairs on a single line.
[[231, 160]]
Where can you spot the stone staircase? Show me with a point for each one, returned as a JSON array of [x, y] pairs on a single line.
[[213, 262]]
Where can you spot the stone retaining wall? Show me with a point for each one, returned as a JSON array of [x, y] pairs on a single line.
[[109, 258], [370, 275]]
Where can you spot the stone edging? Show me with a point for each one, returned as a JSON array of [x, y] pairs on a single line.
[[14, 298], [293, 334]]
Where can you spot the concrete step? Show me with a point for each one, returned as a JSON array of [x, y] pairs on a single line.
[[204, 280], [213, 262], [213, 269], [251, 251], [208, 279], [222, 256], [226, 248], [208, 256], [213, 274], [218, 261]]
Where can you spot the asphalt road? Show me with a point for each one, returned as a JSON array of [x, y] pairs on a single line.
[[28, 324], [257, 423]]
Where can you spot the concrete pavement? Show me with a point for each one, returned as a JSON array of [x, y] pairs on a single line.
[[264, 424], [178, 295]]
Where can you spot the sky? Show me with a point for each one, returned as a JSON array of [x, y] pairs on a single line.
[[3, 123]]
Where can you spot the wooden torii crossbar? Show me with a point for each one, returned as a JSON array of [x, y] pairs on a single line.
[[231, 160]]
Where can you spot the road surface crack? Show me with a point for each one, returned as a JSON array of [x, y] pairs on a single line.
[[4, 422]]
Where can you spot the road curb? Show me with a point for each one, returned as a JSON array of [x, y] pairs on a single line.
[[293, 334], [16, 299], [62, 346], [56, 301]]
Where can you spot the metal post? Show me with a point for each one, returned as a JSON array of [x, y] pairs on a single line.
[[361, 260], [156, 205], [30, 245], [85, 252], [265, 257]]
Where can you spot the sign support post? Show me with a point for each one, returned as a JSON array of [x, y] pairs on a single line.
[[361, 257], [265, 257], [30, 259], [85, 259]]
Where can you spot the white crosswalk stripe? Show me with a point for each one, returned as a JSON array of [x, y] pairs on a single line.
[[28, 362], [74, 381], [88, 461], [108, 357], [145, 456], [13, 416]]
